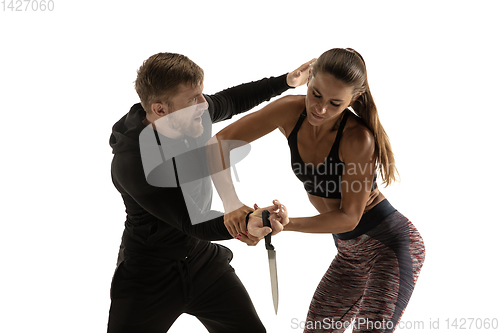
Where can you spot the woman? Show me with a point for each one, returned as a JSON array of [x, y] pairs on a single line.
[[336, 154]]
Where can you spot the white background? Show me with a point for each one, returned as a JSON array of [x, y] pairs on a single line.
[[66, 77]]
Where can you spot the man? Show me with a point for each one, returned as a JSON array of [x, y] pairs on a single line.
[[166, 264]]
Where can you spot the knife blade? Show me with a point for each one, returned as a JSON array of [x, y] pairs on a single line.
[[271, 255]]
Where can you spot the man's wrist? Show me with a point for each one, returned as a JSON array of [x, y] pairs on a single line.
[[288, 84], [247, 218]]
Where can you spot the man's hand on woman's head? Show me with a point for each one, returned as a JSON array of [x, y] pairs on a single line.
[[299, 76]]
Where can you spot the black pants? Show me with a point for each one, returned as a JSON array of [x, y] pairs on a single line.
[[148, 297]]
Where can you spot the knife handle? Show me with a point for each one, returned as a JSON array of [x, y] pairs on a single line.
[[267, 223]]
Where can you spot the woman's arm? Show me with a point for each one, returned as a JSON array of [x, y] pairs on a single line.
[[358, 153], [281, 113], [278, 114]]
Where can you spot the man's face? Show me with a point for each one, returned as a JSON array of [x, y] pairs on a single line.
[[185, 110]]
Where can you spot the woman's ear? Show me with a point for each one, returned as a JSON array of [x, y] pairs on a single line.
[[354, 98]]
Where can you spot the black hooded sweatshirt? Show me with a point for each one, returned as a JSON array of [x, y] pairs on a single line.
[[158, 222]]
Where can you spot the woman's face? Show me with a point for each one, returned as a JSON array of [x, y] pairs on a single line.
[[326, 98]]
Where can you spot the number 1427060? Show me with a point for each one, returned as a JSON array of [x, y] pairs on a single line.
[[27, 5]]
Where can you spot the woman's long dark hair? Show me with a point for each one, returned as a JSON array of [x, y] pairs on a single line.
[[348, 66]]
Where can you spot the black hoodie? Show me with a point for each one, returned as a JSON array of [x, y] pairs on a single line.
[[158, 223]]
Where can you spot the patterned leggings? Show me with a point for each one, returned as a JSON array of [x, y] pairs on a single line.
[[370, 281]]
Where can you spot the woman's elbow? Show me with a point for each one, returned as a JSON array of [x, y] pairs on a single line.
[[351, 227], [353, 221]]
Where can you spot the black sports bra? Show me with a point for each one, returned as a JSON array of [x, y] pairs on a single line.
[[323, 180]]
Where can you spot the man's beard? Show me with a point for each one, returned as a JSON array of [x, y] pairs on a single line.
[[190, 128]]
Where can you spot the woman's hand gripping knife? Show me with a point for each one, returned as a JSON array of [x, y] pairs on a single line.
[[254, 226], [278, 219]]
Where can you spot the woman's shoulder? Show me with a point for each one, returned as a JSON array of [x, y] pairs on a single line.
[[357, 134], [290, 108], [355, 124], [292, 102]]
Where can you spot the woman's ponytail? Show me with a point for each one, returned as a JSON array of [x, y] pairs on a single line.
[[365, 108]]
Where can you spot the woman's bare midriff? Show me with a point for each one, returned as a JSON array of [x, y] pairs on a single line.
[[325, 205]]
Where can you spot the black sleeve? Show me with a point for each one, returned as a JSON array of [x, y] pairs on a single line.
[[229, 102], [165, 203]]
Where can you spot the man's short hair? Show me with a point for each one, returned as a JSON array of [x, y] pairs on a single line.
[[159, 77]]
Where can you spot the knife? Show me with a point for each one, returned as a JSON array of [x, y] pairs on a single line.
[[271, 255]]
